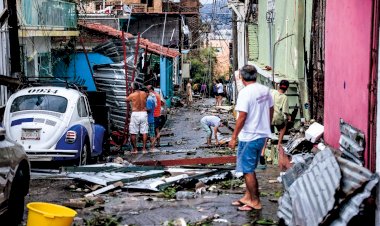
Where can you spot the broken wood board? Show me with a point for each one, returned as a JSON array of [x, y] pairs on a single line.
[[105, 189], [226, 108], [193, 161], [224, 145], [140, 145]]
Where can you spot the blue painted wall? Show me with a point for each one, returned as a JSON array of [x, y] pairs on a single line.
[[166, 78], [78, 70]]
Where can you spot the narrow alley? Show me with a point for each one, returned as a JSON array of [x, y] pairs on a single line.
[[138, 207]]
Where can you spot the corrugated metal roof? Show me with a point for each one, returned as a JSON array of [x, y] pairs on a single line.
[[313, 192], [144, 43]]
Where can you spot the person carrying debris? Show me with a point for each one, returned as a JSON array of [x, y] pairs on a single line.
[[255, 108], [189, 93], [139, 117], [281, 115], [212, 121]]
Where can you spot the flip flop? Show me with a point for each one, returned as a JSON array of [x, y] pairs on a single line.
[[245, 208], [237, 203]]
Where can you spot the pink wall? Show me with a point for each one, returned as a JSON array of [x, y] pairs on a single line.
[[347, 67]]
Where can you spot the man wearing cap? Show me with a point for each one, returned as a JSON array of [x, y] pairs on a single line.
[[281, 114], [210, 121]]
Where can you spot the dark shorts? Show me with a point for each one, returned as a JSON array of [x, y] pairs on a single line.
[[157, 122], [151, 131], [248, 155], [278, 127]]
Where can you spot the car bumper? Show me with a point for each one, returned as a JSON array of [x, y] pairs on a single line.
[[48, 155]]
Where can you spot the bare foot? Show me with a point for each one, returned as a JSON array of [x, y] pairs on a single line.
[[144, 151]]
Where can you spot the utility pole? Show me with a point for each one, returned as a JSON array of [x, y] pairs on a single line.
[[180, 63], [234, 42], [14, 44]]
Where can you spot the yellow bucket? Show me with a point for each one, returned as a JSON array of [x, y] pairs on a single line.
[[47, 214]]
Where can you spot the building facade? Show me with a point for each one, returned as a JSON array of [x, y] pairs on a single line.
[[40, 22]]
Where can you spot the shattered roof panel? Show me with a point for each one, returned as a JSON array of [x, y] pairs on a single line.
[[313, 192], [144, 43], [106, 178]]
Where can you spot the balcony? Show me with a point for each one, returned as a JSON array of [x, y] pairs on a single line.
[[48, 14]]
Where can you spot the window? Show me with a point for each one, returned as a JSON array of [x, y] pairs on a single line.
[[40, 102], [82, 109], [218, 49], [44, 65]]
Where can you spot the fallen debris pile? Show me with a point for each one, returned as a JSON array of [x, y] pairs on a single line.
[[325, 185]]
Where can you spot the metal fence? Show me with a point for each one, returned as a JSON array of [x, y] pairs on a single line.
[[49, 13]]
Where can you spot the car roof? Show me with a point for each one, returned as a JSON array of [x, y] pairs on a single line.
[[68, 93]]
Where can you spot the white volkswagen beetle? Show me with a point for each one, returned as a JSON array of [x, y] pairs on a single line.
[[53, 124]]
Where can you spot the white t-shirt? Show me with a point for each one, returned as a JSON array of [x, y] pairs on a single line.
[[220, 87], [211, 120], [256, 100]]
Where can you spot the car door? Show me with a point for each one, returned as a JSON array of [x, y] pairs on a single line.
[[86, 119]]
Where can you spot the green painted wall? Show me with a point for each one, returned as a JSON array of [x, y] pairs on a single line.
[[289, 54], [289, 19]]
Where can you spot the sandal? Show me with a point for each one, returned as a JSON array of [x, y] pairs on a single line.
[[245, 208], [237, 203]]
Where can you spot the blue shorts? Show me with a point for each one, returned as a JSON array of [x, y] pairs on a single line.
[[248, 155]]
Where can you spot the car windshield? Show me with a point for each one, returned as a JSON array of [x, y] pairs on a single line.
[[39, 102]]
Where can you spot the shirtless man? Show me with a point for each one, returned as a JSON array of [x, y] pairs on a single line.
[[139, 117]]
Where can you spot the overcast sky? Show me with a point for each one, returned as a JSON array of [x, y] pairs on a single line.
[[206, 1]]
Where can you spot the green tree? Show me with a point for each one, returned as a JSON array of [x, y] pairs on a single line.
[[200, 65]]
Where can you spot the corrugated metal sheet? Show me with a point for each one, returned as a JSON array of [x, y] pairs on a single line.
[[253, 40], [111, 79], [351, 208], [313, 192], [144, 43], [353, 175], [106, 178]]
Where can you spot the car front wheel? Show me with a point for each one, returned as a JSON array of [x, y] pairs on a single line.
[[17, 198]]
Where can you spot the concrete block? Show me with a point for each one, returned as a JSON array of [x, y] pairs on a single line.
[[314, 132]]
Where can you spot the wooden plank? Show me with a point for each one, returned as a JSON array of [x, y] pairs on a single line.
[[105, 189], [193, 161]]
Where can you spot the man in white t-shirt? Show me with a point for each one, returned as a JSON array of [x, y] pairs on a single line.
[[255, 107]]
